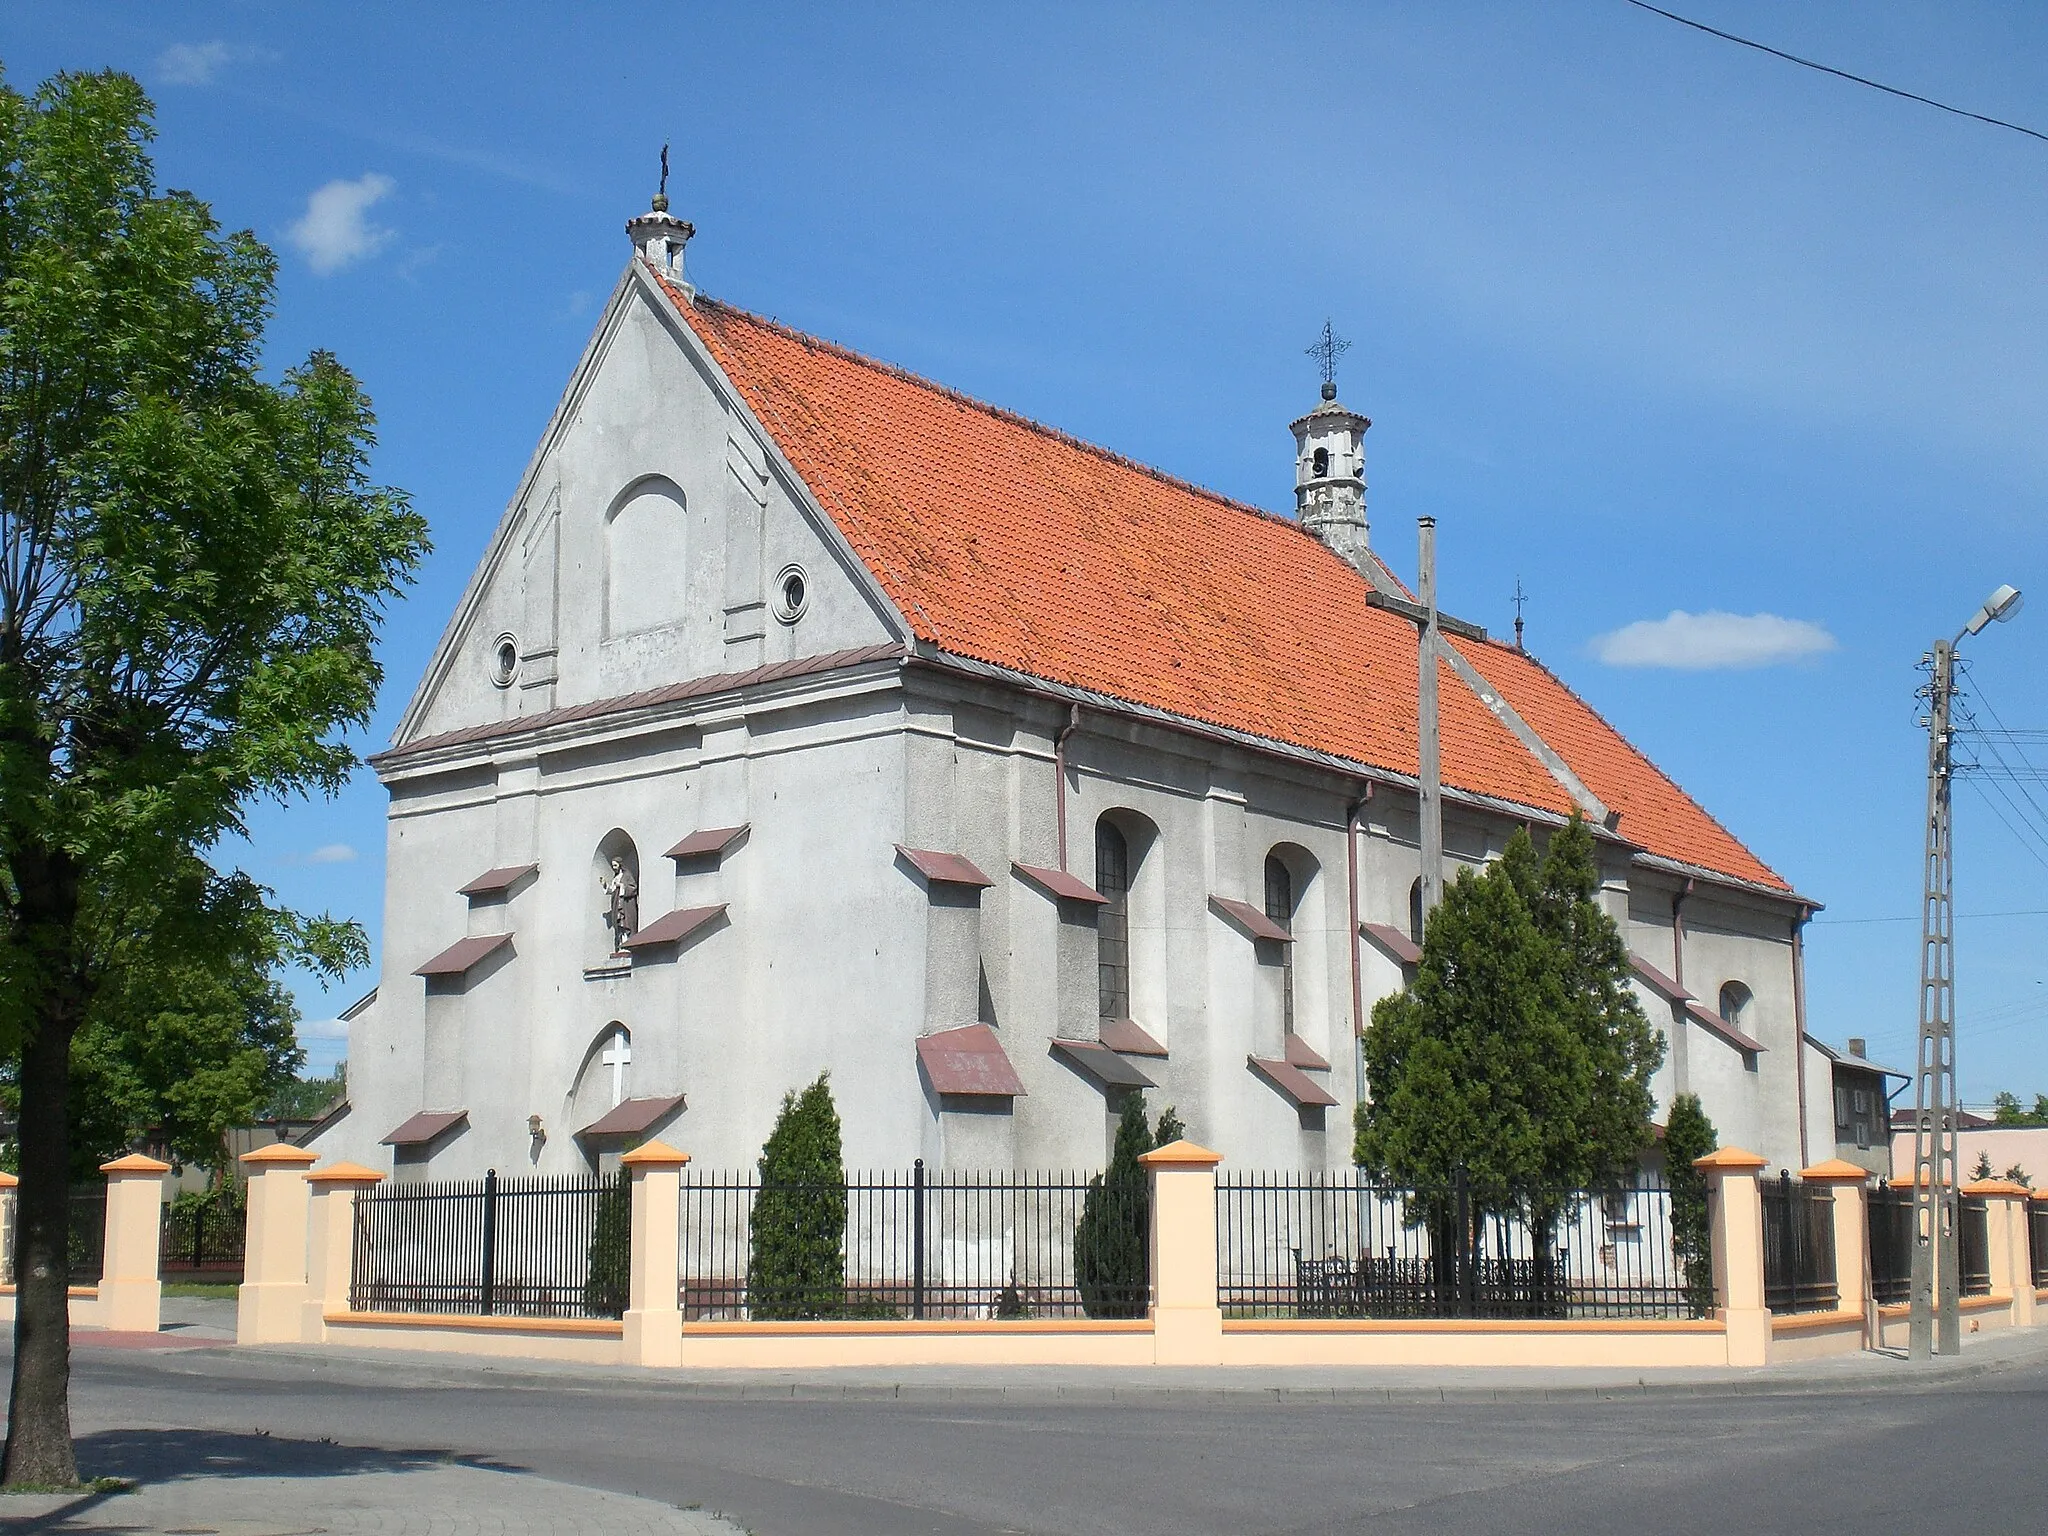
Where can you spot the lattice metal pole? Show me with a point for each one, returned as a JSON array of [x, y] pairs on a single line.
[[1935, 1320]]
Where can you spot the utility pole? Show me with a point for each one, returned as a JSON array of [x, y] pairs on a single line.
[[1429, 766], [1935, 1324]]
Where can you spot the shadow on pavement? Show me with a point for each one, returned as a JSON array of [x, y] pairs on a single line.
[[168, 1455]]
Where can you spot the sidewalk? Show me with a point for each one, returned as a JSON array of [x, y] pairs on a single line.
[[357, 1491]]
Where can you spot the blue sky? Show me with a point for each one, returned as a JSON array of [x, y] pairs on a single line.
[[1647, 321]]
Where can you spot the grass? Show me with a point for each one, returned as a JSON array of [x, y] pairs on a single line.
[[97, 1485], [202, 1290]]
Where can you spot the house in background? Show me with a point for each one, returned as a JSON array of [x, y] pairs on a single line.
[[804, 714], [1849, 1092], [2021, 1147]]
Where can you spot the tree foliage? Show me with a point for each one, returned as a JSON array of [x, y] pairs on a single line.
[[1688, 1136], [194, 564], [608, 1289], [1113, 1238], [796, 1265], [2006, 1109], [1519, 1055]]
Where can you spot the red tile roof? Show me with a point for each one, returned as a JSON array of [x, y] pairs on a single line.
[[1006, 542]]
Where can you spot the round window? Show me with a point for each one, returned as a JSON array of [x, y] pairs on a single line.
[[505, 661], [792, 592]]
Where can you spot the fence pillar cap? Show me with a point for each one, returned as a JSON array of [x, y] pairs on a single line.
[[135, 1162], [1731, 1160], [345, 1173], [8, 1181], [1996, 1187], [2039, 1194], [654, 1154], [1836, 1170], [1180, 1154], [1907, 1181], [281, 1153]]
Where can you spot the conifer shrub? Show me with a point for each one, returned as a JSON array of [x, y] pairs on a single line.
[[797, 1232], [1112, 1240], [608, 1290], [1688, 1135]]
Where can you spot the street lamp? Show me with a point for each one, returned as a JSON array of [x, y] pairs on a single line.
[[1935, 1211]]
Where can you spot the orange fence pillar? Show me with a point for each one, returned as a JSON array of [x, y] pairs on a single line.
[[2005, 1211], [271, 1302], [131, 1295], [1738, 1222], [331, 1243], [653, 1332], [1187, 1324]]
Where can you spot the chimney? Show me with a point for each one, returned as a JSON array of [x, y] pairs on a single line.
[[1859, 1048], [1329, 477], [659, 236]]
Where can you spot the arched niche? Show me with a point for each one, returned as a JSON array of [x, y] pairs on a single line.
[[644, 556], [603, 1078], [615, 901]]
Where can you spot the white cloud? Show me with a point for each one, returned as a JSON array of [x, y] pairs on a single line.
[[192, 63], [332, 853], [336, 230], [322, 1029], [1702, 642]]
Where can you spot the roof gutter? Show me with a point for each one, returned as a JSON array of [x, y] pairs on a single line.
[[1059, 780]]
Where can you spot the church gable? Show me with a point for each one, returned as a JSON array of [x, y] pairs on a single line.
[[657, 537]]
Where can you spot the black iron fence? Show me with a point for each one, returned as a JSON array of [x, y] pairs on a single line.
[[1891, 1245], [927, 1243], [88, 1237], [1973, 1245], [203, 1236], [526, 1247], [1336, 1245], [1799, 1246], [2037, 1241]]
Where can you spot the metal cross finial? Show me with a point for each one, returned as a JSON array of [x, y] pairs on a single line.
[[1521, 597], [663, 189], [1328, 348]]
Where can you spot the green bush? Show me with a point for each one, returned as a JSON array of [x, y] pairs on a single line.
[[1112, 1240], [796, 1266], [1689, 1134], [609, 1289]]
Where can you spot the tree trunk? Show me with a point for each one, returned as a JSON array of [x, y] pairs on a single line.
[[39, 1413]]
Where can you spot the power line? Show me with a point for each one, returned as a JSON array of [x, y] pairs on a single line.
[[1829, 69], [1914, 917]]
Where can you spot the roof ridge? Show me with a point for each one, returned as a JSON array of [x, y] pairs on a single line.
[[1655, 767], [1000, 413]]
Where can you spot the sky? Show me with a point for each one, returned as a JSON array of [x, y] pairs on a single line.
[[1737, 368]]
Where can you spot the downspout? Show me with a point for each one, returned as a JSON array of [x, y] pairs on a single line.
[[1059, 769], [1354, 825], [1799, 1030], [1681, 1066]]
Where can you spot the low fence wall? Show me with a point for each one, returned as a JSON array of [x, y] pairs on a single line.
[[1246, 1270]]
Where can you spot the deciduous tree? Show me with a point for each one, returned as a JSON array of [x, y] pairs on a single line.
[[193, 568]]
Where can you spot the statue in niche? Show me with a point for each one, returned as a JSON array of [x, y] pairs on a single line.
[[622, 906]]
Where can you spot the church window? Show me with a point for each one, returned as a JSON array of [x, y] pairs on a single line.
[[1415, 913], [1735, 1004], [1113, 920], [505, 661], [1280, 908], [792, 593], [1322, 463]]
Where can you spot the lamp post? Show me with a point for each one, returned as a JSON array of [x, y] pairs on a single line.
[[1935, 1211]]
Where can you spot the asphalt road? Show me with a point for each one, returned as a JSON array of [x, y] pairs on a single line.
[[1851, 1453]]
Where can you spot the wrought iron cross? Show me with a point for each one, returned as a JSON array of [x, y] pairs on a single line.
[[663, 189], [1328, 348]]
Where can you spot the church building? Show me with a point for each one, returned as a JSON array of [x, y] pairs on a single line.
[[806, 715]]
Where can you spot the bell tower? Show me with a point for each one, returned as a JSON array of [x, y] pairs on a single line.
[[659, 236], [1329, 464]]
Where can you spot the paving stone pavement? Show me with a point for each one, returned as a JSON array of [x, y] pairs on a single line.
[[447, 1499]]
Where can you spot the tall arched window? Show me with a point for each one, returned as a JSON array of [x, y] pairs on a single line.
[[1735, 1005], [1280, 908], [1113, 920], [1415, 912]]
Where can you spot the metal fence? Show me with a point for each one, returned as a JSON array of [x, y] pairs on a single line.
[[202, 1239], [926, 1243], [1799, 1246], [88, 1236], [526, 1247], [1891, 1245], [1973, 1245], [1336, 1245], [2037, 1241]]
